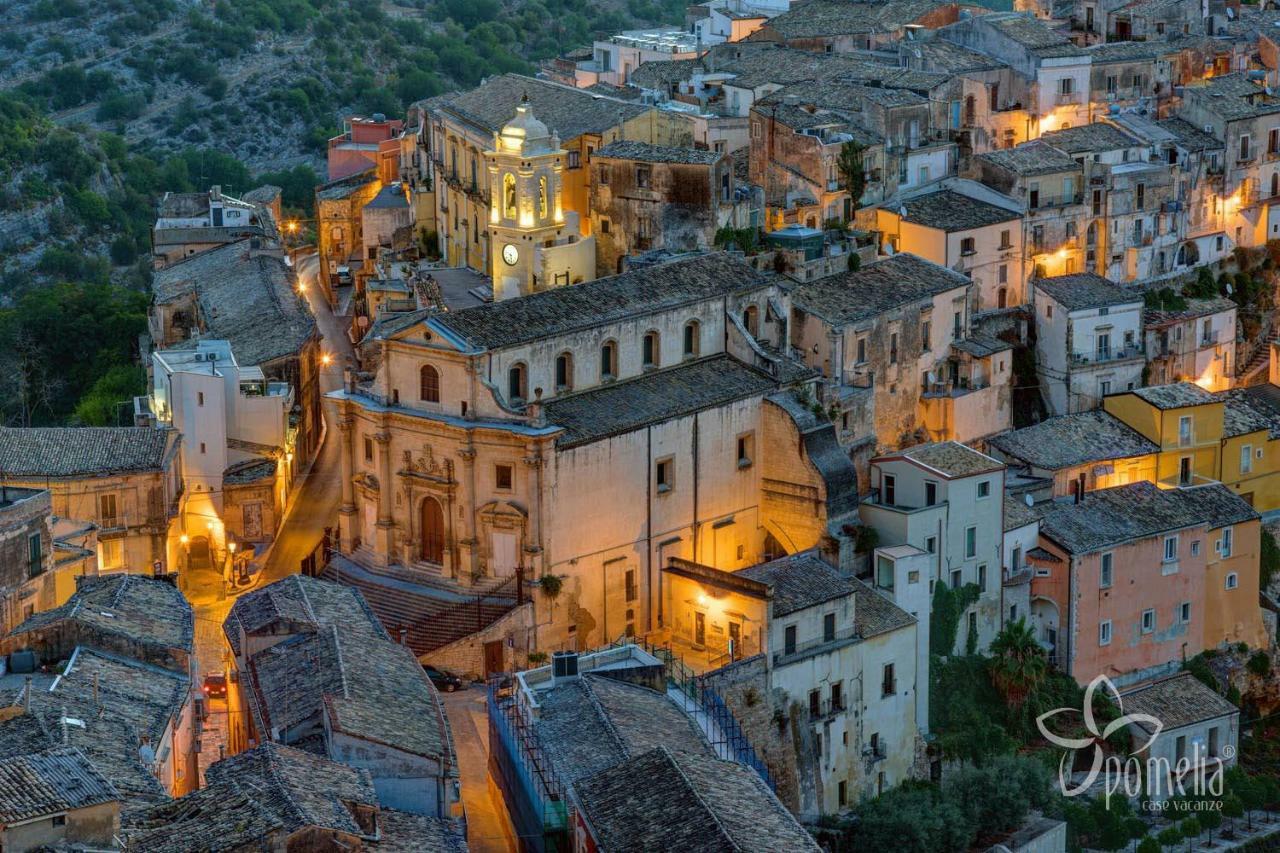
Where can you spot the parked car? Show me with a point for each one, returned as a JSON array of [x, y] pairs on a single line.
[[446, 681], [215, 685]]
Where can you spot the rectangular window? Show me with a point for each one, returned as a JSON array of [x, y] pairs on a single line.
[[931, 544], [893, 348], [1225, 549], [967, 246], [1106, 571], [199, 398], [642, 177], [1148, 621], [35, 555], [1184, 471], [1184, 612], [1246, 459], [970, 542], [1170, 548], [630, 584], [789, 640], [982, 576], [828, 627], [890, 489], [1184, 429], [1006, 242], [368, 449], [862, 351], [575, 159], [107, 511], [604, 176], [926, 332], [930, 493], [984, 489], [664, 475], [888, 684], [746, 448], [957, 578], [112, 553], [503, 477], [815, 704], [1003, 274], [1104, 633], [843, 793]]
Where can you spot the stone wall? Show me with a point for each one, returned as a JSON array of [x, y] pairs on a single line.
[[772, 723], [465, 657]]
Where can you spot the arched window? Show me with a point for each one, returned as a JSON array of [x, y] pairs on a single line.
[[429, 384], [542, 197], [692, 338], [751, 319], [564, 372], [509, 196], [649, 350], [432, 531], [516, 381], [608, 360]]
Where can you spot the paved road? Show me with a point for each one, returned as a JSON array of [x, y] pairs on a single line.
[[314, 507], [316, 504], [488, 824]]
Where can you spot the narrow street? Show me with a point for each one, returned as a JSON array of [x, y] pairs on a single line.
[[314, 507], [488, 824]]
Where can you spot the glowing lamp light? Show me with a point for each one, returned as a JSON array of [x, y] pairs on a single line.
[[184, 539], [326, 359], [703, 600]]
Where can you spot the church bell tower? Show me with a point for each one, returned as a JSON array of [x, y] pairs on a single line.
[[532, 245]]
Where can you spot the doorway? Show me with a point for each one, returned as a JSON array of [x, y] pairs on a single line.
[[699, 628], [493, 660]]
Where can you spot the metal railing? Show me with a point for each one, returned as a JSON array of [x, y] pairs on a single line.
[[1105, 356], [799, 650]]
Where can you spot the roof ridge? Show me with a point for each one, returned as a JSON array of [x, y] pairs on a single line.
[[733, 842], [598, 707], [342, 668]]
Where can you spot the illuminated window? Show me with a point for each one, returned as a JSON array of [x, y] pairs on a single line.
[[542, 197], [509, 196]]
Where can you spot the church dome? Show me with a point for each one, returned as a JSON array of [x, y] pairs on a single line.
[[524, 134]]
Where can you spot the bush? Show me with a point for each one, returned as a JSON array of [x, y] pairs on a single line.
[[1270, 561], [1148, 845], [1171, 836], [1259, 664]]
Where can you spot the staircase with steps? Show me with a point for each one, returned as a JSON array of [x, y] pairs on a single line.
[[1255, 372], [433, 612]]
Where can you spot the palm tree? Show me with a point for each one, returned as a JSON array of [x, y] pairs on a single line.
[[1018, 663]]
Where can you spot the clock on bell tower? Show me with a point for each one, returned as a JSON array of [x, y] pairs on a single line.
[[532, 244]]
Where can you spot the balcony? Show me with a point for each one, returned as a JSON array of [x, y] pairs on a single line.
[[826, 710], [816, 646], [1108, 356], [1048, 202], [1068, 98]]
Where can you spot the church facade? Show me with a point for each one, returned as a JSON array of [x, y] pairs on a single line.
[[591, 433]]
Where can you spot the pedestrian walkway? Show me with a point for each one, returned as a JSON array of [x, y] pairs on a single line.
[[488, 823]]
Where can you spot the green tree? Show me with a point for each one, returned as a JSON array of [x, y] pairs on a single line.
[[1148, 845], [105, 402], [849, 164], [1018, 663]]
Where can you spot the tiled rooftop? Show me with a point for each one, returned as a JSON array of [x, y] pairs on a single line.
[[1070, 440], [1233, 96], [799, 581], [565, 110], [669, 800], [1036, 157], [949, 211], [606, 300], [647, 153], [656, 397], [1195, 308], [952, 459], [874, 613], [1084, 291], [51, 782], [244, 298], [1032, 33], [81, 451], [1177, 701], [1109, 517], [1175, 395], [899, 280], [1089, 138]]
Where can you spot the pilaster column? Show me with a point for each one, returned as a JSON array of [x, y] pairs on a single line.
[[385, 525], [347, 509], [468, 543], [533, 544]]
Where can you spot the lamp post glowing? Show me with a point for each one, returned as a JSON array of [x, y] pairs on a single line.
[[326, 359]]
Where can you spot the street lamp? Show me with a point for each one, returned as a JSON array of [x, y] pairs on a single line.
[[326, 359]]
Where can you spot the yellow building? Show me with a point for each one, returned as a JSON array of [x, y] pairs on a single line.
[[1231, 437]]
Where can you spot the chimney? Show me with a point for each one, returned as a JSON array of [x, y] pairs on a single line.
[[26, 696]]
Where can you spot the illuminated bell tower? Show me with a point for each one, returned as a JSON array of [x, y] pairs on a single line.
[[525, 211]]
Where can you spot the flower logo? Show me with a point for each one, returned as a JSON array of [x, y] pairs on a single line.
[[1096, 737]]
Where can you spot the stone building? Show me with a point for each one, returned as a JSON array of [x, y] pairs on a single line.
[[656, 197], [1088, 341], [374, 141], [245, 296], [893, 343], [1049, 183], [56, 797], [27, 582], [838, 657], [190, 223], [125, 480], [340, 227], [589, 433], [824, 26], [1195, 344]]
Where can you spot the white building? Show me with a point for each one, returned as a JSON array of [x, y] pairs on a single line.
[[1194, 344], [1088, 340], [615, 58], [234, 425], [947, 501]]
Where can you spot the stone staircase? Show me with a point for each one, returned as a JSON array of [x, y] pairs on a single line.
[[1255, 372], [433, 613]]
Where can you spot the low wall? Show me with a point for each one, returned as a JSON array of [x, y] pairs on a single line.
[[465, 657]]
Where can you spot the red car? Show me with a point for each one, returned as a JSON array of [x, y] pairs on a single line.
[[215, 685]]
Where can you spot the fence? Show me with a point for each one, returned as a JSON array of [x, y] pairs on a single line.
[[534, 793]]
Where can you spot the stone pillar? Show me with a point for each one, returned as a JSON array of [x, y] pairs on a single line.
[[347, 518], [533, 542], [386, 524], [468, 562]]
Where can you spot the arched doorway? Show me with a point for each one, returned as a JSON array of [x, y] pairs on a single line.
[[199, 553], [432, 531]]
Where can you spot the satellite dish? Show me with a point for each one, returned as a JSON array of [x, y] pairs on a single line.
[[1027, 499]]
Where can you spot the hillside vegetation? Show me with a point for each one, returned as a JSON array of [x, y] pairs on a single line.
[[107, 104]]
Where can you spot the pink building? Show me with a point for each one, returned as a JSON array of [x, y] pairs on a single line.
[[365, 142], [1119, 577]]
